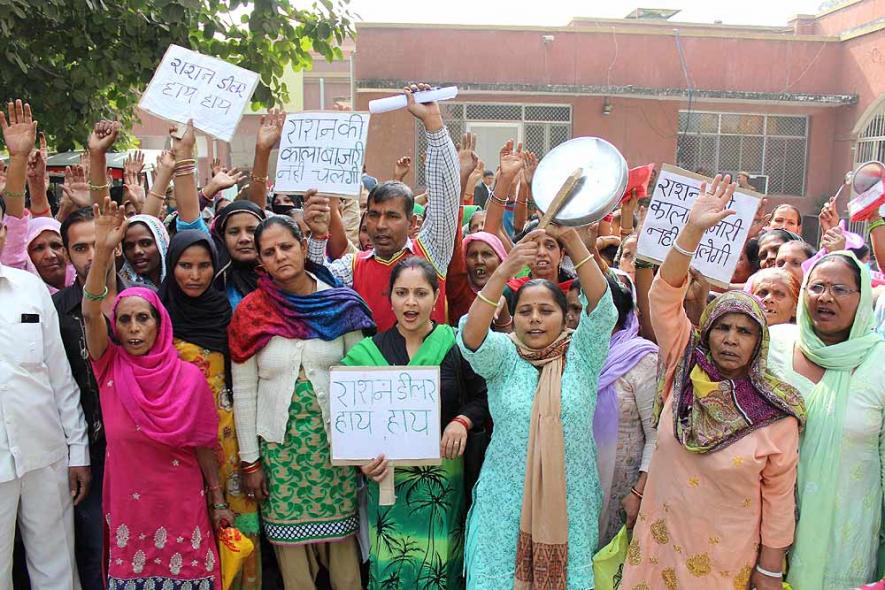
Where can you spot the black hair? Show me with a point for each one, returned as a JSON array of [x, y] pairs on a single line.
[[807, 248], [555, 291], [116, 193], [392, 189], [575, 286], [608, 253], [418, 263], [785, 235], [855, 269], [861, 251], [752, 251], [78, 216], [281, 220], [2, 205], [622, 299]]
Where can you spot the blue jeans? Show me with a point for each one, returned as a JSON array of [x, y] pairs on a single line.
[[89, 529]]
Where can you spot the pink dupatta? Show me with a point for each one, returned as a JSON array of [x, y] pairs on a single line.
[[167, 398]]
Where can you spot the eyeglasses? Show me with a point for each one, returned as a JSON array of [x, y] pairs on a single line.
[[837, 291]]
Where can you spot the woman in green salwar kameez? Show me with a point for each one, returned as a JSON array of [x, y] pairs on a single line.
[[418, 542]]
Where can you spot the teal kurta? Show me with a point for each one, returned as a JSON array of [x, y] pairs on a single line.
[[493, 524]]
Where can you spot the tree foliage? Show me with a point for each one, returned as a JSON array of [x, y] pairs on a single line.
[[77, 61]]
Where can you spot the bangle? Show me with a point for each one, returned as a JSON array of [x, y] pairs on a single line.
[[636, 492], [185, 161], [485, 299], [157, 195], [13, 194], [580, 264], [258, 178], [92, 297], [497, 199], [770, 574], [626, 232], [251, 467], [506, 324], [683, 251], [639, 263], [462, 421], [875, 225], [40, 213], [219, 507], [99, 187]]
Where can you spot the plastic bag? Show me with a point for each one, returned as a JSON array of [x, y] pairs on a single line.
[[608, 563], [234, 548]]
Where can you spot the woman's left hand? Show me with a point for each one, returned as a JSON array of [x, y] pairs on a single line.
[[222, 518], [454, 440], [631, 504], [763, 582]]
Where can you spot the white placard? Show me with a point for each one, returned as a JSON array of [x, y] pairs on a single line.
[[322, 151], [389, 410], [190, 85], [399, 101], [720, 248]]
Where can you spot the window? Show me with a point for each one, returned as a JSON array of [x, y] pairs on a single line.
[[773, 145], [540, 128], [870, 146]]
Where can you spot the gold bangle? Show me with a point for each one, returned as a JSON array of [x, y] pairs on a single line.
[[187, 161], [99, 187], [158, 195], [578, 265], [258, 178], [485, 299], [14, 194]]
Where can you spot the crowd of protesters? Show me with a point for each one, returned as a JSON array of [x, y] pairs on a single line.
[[164, 372]]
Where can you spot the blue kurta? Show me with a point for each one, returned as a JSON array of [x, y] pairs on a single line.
[[493, 523]]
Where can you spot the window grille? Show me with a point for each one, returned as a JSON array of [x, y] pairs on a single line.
[[726, 143]]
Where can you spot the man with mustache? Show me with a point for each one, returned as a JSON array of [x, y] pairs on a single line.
[[389, 218]]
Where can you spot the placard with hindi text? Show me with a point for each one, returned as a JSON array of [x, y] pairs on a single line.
[[393, 411], [190, 85], [322, 151], [720, 248]]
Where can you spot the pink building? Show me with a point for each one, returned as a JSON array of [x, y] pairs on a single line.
[[797, 105]]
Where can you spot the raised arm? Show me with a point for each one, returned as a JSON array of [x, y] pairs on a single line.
[[110, 227], [511, 162], [103, 136], [437, 233], [270, 130], [467, 161], [38, 180], [19, 134], [593, 282], [156, 198], [483, 309], [877, 239], [183, 179]]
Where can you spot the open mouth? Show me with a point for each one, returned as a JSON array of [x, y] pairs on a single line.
[[135, 342], [410, 316], [536, 332], [479, 272], [728, 354], [140, 263], [825, 313]]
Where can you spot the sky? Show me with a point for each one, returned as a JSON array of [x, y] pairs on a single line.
[[560, 12]]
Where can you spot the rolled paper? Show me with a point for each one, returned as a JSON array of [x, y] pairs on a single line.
[[393, 103]]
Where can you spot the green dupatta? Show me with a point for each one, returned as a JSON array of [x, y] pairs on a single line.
[[820, 448], [432, 352]]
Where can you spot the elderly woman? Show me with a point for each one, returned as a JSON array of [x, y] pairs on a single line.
[[778, 289], [161, 429], [35, 244], [835, 360], [537, 504], [718, 506]]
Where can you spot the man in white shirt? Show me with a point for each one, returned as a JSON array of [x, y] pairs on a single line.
[[44, 451]]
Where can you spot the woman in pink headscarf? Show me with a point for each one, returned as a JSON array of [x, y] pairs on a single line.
[[34, 244], [161, 427]]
